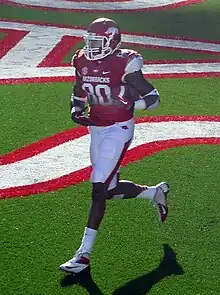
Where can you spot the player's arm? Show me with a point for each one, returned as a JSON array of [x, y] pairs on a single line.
[[78, 98], [149, 96], [77, 103]]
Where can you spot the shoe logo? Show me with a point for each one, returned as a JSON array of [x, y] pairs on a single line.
[[105, 72], [164, 211]]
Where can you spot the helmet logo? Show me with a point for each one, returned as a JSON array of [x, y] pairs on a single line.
[[112, 31]]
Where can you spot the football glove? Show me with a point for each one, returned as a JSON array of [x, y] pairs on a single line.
[[80, 118]]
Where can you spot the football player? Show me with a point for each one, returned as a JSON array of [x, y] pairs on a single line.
[[110, 79]]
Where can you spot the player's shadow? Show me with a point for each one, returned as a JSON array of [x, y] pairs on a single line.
[[143, 284], [84, 280], [139, 286]]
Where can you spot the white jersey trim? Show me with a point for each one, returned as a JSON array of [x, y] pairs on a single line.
[[134, 65]]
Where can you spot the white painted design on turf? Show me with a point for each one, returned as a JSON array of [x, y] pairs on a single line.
[[177, 43], [22, 60], [110, 5], [48, 31], [187, 68], [30, 51], [147, 69], [74, 155]]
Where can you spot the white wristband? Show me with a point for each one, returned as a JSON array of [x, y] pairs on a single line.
[[140, 104], [73, 97], [75, 109]]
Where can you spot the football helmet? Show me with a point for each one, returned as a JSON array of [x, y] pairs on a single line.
[[103, 37]]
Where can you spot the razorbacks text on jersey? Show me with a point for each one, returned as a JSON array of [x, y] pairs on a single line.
[[102, 82]]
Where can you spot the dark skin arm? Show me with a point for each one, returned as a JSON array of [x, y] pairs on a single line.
[[77, 105], [77, 91], [138, 82]]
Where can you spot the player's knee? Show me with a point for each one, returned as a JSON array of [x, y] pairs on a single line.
[[99, 175], [99, 192]]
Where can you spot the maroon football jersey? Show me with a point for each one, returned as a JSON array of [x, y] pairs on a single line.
[[109, 97]]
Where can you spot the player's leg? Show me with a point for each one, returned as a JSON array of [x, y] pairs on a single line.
[[111, 154], [158, 194], [113, 143], [124, 189], [127, 190], [80, 260], [107, 152]]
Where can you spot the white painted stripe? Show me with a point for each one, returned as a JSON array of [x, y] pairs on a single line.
[[172, 43], [145, 40], [61, 160], [21, 61], [132, 4], [74, 155], [30, 51], [41, 29], [150, 132], [19, 72], [182, 68]]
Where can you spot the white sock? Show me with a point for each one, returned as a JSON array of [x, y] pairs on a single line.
[[88, 240], [116, 197], [149, 193]]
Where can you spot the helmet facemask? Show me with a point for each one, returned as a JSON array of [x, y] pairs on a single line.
[[97, 47]]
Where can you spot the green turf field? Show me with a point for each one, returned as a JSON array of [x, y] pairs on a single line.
[[133, 254], [2, 35]]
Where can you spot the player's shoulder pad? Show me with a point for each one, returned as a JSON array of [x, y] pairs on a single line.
[[79, 53], [134, 63]]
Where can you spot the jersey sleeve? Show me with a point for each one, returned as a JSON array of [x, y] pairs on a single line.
[[134, 64]]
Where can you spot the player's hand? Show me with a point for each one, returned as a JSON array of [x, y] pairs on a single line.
[[83, 120], [131, 106], [80, 118]]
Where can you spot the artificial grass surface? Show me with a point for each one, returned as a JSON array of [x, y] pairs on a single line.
[[2, 35], [34, 111], [40, 232], [37, 233]]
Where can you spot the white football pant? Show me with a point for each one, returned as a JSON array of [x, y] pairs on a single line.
[[107, 148]]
